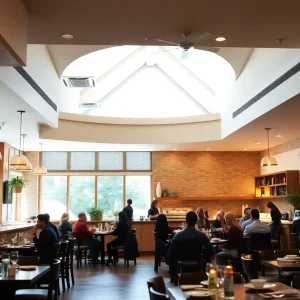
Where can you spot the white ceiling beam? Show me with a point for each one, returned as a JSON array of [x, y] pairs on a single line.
[[187, 80], [115, 76]]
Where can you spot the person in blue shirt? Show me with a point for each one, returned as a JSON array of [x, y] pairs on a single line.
[[153, 211], [45, 244], [188, 234], [128, 210]]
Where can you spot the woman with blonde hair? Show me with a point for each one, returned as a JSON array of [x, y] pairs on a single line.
[[234, 234], [202, 221], [219, 226], [64, 225]]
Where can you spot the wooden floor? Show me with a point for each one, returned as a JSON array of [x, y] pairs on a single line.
[[114, 283]]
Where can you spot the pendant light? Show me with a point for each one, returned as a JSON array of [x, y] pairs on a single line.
[[40, 170], [19, 160], [29, 166], [268, 160]]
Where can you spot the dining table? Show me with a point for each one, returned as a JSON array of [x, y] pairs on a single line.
[[26, 249], [102, 235], [282, 266], [240, 293], [22, 280]]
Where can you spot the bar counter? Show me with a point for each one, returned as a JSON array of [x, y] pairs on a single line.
[[144, 231]]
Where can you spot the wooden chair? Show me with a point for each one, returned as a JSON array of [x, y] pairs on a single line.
[[295, 237], [296, 282], [275, 243], [249, 267], [42, 294], [70, 260], [157, 296], [260, 241], [64, 268], [264, 255], [158, 284], [79, 249], [28, 260]]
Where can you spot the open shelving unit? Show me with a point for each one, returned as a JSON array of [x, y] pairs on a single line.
[[277, 185]]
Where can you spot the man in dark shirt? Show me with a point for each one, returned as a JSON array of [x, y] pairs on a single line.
[[52, 226], [45, 244], [191, 234], [128, 210]]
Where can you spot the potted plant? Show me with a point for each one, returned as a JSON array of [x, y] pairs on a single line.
[[116, 215], [293, 199], [95, 213], [165, 192], [16, 184]]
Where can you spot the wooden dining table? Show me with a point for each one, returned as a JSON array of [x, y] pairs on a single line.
[[22, 279], [281, 266], [240, 293]]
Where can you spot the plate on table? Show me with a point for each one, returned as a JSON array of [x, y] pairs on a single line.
[[200, 293], [204, 282], [266, 286], [215, 240], [5, 245], [187, 287], [27, 268]]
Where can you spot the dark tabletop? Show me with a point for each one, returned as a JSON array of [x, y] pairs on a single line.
[[28, 276], [274, 264], [240, 293]]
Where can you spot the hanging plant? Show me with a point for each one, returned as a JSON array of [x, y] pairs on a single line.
[[17, 184]]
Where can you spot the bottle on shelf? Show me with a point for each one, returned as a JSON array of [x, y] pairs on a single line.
[[228, 283]]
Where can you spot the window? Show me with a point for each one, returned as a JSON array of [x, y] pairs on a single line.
[[138, 161], [55, 160], [82, 161], [54, 196], [82, 194], [138, 188], [110, 161], [110, 194]]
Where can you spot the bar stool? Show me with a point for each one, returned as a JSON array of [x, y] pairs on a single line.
[[79, 250]]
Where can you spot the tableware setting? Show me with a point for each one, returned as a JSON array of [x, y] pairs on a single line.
[[188, 287], [259, 284], [289, 258], [279, 294], [201, 293], [27, 268]]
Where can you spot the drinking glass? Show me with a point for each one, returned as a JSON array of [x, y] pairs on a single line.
[[3, 238], [210, 266], [5, 264], [14, 257], [25, 238], [14, 239]]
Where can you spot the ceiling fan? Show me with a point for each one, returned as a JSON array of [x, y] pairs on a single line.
[[186, 45]]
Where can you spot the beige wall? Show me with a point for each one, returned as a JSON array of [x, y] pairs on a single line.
[[207, 174]]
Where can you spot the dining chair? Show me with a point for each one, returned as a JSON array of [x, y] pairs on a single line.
[[64, 268], [70, 260], [276, 242], [260, 241], [283, 253], [41, 294], [296, 282], [191, 278], [79, 249], [249, 267], [295, 238], [160, 252], [264, 255], [157, 296], [158, 284]]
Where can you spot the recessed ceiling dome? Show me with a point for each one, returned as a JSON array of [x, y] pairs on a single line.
[[152, 82]]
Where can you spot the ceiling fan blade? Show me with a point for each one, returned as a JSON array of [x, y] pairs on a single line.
[[163, 41], [165, 51], [210, 49], [202, 37], [185, 54]]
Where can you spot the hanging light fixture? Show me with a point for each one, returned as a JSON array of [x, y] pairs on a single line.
[[29, 166], [40, 170], [19, 160], [268, 160]]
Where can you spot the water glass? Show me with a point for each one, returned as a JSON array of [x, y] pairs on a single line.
[[14, 257], [5, 264]]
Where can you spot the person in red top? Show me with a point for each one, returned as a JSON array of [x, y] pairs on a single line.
[[86, 236]]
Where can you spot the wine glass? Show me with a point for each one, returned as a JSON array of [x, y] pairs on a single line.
[[14, 257], [210, 266], [25, 238], [14, 239]]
